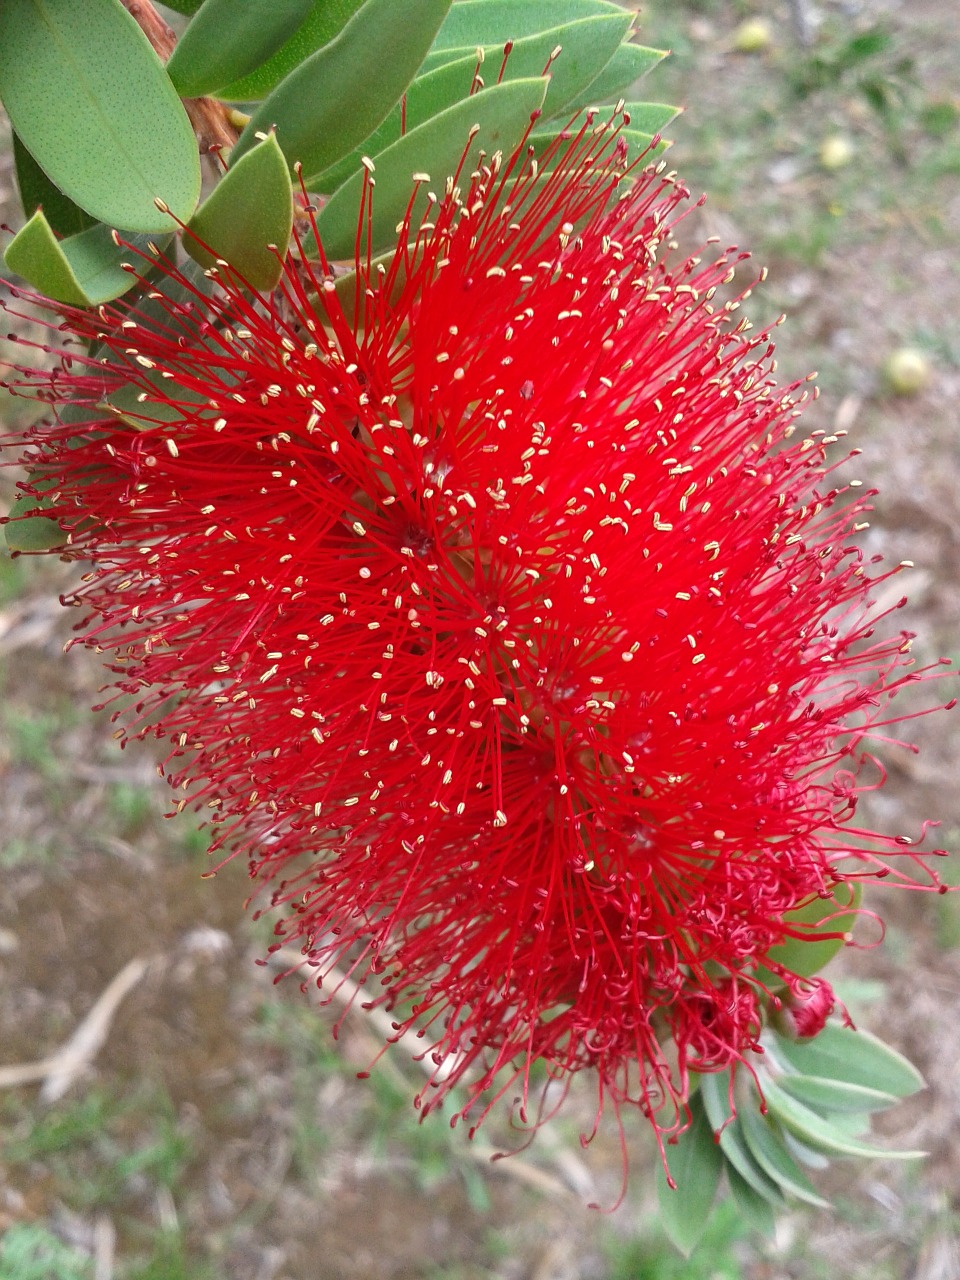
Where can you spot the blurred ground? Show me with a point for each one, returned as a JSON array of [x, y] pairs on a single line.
[[220, 1132]]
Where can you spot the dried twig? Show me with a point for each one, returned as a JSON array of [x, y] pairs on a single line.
[[60, 1069]]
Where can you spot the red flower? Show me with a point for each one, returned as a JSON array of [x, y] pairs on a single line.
[[509, 628]]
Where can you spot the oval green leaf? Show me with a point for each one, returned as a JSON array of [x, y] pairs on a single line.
[[226, 41], [251, 209], [38, 192], [695, 1165], [332, 102], [840, 1053], [502, 114], [324, 21], [83, 270], [96, 109], [587, 46]]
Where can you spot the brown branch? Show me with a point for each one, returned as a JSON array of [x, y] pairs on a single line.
[[210, 119]]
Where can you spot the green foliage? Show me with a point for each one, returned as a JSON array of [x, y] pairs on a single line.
[[36, 189], [810, 1103], [808, 954], [322, 24], [226, 41], [493, 22], [29, 1252], [83, 270], [695, 1167], [93, 104], [331, 102], [649, 1256], [501, 113], [29, 530], [103, 1150], [247, 219], [587, 48]]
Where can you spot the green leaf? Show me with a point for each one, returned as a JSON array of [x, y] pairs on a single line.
[[251, 208], [26, 531], [767, 1148], [183, 6], [226, 41], [714, 1091], [543, 140], [628, 65], [821, 1134], [326, 19], [332, 102], [83, 270], [806, 956], [650, 117], [502, 114], [493, 22], [756, 1211], [835, 1095], [840, 1053], [695, 1166], [92, 103], [587, 45], [37, 191]]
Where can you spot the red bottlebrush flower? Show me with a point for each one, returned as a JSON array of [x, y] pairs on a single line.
[[503, 621]]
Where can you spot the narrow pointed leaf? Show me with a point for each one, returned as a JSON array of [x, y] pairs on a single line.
[[713, 1090], [332, 102], [325, 20], [183, 6], [650, 117], [436, 148], [840, 1053], [588, 44], [835, 1095], [806, 1155], [38, 192], [695, 1166], [767, 1148], [821, 1134], [492, 22], [226, 41], [82, 270], [94, 106], [628, 65], [250, 209], [753, 1208]]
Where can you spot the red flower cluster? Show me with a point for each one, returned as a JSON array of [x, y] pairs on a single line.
[[501, 619]]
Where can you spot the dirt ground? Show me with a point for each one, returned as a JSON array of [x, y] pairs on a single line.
[[219, 1131]]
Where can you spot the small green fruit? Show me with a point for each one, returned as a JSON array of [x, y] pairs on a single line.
[[752, 36], [907, 371]]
